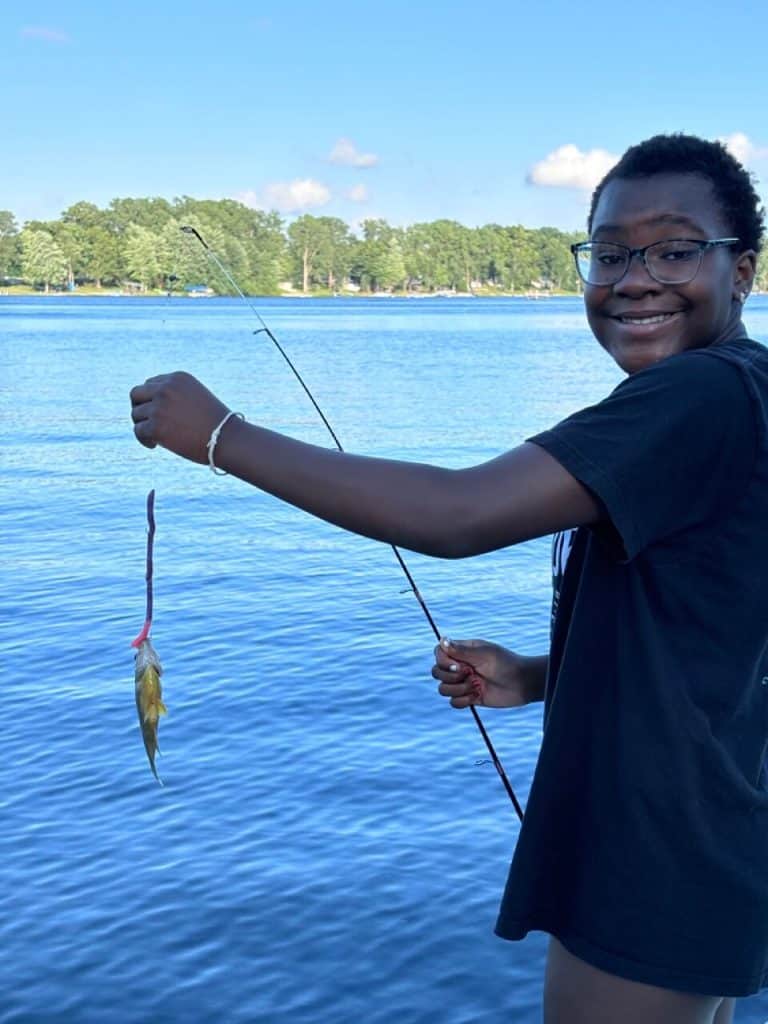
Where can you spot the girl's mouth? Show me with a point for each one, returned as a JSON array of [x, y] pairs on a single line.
[[649, 320]]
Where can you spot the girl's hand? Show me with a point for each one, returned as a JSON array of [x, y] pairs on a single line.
[[479, 672], [175, 411]]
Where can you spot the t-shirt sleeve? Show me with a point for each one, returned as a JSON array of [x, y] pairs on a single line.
[[671, 447]]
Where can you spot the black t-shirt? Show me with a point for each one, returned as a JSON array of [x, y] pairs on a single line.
[[644, 847]]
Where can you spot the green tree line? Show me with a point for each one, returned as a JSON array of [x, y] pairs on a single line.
[[138, 244]]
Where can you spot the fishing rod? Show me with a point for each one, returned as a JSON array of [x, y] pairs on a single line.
[[264, 329]]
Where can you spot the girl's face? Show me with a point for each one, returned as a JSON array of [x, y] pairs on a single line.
[[639, 212]]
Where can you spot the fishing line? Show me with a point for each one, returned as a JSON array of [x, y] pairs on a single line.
[[170, 281], [147, 667], [264, 329], [149, 571]]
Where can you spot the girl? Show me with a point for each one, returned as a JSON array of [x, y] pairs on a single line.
[[644, 849]]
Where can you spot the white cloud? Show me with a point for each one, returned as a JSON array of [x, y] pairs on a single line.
[[46, 34], [299, 194], [249, 198], [358, 194], [569, 167], [346, 152], [743, 148]]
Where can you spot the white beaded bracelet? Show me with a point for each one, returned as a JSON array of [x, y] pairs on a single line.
[[211, 446]]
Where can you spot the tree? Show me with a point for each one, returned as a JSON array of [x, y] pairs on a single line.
[[42, 261], [438, 255], [417, 256], [556, 267], [102, 257], [143, 255], [184, 258], [378, 260], [10, 252], [305, 239], [70, 239], [522, 259], [93, 249], [85, 215], [144, 213], [493, 246], [252, 244], [761, 277], [267, 251], [334, 256], [392, 273], [141, 238]]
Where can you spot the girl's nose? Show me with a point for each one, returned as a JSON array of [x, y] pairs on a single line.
[[637, 280]]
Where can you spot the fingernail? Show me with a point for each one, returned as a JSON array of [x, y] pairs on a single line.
[[445, 642], [453, 667]]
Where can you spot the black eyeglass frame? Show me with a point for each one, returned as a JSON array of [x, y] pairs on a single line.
[[704, 246]]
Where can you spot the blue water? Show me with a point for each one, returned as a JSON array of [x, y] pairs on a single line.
[[326, 848]]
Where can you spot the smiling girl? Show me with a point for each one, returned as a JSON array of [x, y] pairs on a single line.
[[644, 848]]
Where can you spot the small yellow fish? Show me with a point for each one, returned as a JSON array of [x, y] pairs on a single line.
[[149, 698]]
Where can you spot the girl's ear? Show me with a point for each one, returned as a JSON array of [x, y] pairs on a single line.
[[744, 274]]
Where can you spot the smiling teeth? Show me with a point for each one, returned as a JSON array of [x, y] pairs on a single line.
[[646, 319]]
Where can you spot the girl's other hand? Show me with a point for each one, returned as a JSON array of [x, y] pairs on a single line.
[[480, 672]]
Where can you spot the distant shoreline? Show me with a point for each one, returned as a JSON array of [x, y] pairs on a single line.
[[106, 293]]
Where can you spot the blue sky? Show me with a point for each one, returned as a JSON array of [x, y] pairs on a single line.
[[405, 111]]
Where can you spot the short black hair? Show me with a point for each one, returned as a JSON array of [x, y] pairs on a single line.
[[688, 154]]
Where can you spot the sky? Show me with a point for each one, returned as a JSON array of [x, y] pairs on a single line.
[[495, 112]]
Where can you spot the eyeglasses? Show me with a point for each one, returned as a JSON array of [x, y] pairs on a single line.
[[673, 261]]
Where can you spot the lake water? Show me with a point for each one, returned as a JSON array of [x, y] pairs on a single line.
[[326, 847]]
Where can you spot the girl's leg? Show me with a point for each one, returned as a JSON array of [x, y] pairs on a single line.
[[577, 993]]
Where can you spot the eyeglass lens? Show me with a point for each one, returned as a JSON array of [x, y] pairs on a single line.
[[671, 262]]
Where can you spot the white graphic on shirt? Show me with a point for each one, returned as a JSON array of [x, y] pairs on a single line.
[[562, 544], [561, 548]]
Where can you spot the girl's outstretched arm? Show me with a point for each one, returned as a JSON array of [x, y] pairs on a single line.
[[442, 512]]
